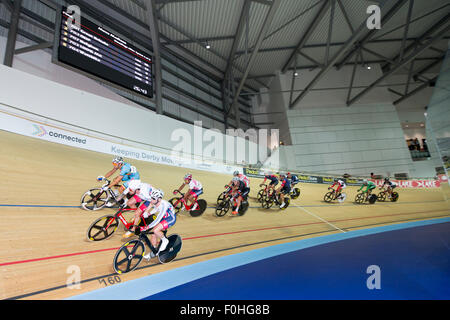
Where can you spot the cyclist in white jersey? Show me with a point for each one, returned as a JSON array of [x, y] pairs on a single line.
[[165, 218], [142, 194], [195, 190]]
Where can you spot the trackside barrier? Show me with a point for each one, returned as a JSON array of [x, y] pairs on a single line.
[[38, 130], [414, 183]]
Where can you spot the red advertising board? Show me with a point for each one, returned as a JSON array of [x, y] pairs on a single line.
[[419, 184]]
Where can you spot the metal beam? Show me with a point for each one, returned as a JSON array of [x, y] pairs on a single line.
[[397, 6], [350, 42], [202, 40], [401, 64], [316, 20], [266, 25], [418, 89], [422, 38], [154, 31], [237, 36], [332, 44], [12, 34], [39, 46], [405, 35], [8, 4], [330, 31]]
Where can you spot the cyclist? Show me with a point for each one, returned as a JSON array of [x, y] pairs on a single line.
[[239, 191], [340, 186], [390, 186], [195, 190], [164, 218], [127, 173], [241, 177], [369, 187], [285, 189], [273, 182], [294, 179], [142, 194]]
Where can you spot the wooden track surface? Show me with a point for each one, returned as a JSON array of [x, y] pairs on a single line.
[[40, 244]]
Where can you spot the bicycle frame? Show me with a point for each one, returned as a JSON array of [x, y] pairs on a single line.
[[186, 207]]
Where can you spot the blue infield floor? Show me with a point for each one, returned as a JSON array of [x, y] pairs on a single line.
[[412, 262]]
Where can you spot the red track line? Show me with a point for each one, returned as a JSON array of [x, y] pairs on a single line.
[[212, 235]]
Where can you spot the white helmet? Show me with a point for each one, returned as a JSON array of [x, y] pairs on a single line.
[[118, 160], [157, 194], [134, 185]]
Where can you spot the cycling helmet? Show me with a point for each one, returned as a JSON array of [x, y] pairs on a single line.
[[236, 173], [282, 174], [365, 182], [386, 179], [117, 160], [134, 185], [157, 194], [336, 179], [235, 179], [188, 177]]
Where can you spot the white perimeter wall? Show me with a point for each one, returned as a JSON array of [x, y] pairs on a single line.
[[39, 87]]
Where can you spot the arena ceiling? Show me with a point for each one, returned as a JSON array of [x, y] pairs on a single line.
[[246, 42], [253, 39]]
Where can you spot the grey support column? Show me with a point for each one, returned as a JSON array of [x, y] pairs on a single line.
[[12, 34]]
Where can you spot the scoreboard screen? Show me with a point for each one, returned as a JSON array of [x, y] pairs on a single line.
[[99, 52]]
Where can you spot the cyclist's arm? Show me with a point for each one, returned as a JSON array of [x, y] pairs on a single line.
[[159, 217], [116, 181], [110, 173], [181, 187]]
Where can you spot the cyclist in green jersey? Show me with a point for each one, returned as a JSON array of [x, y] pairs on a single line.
[[369, 187]]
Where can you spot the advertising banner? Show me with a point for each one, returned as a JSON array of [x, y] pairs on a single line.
[[70, 138]]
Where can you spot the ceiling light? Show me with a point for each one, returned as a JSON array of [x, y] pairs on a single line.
[[369, 68], [296, 74], [208, 46]]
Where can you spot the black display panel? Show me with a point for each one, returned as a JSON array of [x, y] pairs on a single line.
[[99, 52]]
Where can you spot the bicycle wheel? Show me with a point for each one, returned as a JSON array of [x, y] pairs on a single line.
[[267, 202], [382, 196], [373, 198], [287, 202], [360, 198], [94, 199], [129, 256], [174, 246], [221, 197], [260, 195], [177, 204], [394, 197], [222, 208], [295, 194], [328, 197], [342, 198], [201, 208], [243, 208], [102, 228]]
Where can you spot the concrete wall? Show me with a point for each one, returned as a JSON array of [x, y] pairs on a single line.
[[329, 137], [67, 106]]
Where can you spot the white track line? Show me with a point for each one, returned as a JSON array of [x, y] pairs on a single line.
[[316, 216]]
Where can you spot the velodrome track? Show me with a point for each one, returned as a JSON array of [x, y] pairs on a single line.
[[43, 229]]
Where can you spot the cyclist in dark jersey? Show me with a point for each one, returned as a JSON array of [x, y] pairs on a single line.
[[285, 189], [239, 191]]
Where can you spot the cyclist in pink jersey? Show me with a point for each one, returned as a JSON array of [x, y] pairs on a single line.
[[195, 190]]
